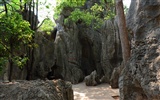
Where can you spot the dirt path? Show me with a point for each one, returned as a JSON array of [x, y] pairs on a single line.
[[100, 92]]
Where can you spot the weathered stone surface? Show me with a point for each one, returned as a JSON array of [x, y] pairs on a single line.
[[68, 52], [115, 76], [36, 90], [44, 57], [140, 77], [79, 50], [111, 55], [91, 49], [92, 79]]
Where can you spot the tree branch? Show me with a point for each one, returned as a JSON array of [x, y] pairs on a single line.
[[41, 23]]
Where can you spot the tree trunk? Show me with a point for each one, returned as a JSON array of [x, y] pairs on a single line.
[[123, 31], [6, 72], [11, 60]]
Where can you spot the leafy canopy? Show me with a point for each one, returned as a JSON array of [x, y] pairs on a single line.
[[63, 4], [91, 17], [15, 34], [47, 26]]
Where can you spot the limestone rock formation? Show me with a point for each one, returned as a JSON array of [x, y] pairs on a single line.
[[68, 52], [115, 76], [36, 90], [92, 79], [78, 49], [111, 55], [44, 57], [140, 77]]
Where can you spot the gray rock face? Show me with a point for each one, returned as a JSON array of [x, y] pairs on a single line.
[[79, 50], [68, 53], [91, 49], [140, 78], [36, 90], [115, 76], [44, 57], [111, 55]]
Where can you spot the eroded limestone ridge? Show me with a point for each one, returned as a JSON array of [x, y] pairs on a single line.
[[36, 90], [140, 78]]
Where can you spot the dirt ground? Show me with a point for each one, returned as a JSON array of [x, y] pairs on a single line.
[[99, 92]]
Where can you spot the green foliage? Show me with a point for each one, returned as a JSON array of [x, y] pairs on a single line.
[[63, 4], [20, 61], [89, 17], [110, 14], [126, 9], [13, 26], [14, 34], [78, 15], [109, 6], [97, 9], [15, 4], [47, 26], [3, 61]]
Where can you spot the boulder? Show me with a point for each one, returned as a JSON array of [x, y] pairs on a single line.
[[139, 80], [115, 77], [36, 90], [92, 79]]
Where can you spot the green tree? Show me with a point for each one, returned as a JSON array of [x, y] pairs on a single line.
[[91, 17], [63, 4], [15, 36]]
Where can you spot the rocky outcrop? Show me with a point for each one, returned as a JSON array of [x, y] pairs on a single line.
[[111, 55], [44, 57], [115, 76], [140, 77], [78, 50], [36, 90], [92, 79], [68, 52]]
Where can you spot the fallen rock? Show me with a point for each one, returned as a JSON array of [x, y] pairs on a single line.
[[92, 79], [115, 76], [36, 90]]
